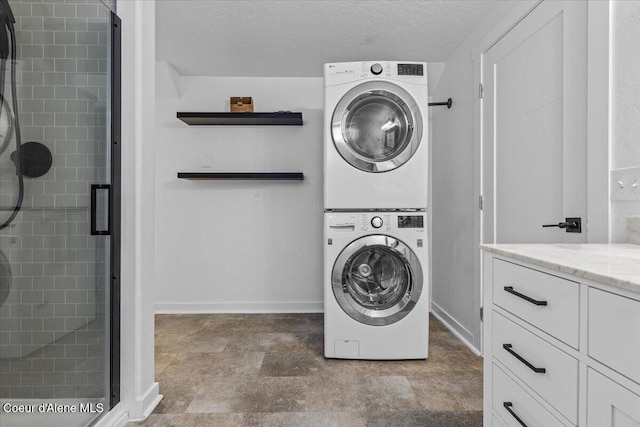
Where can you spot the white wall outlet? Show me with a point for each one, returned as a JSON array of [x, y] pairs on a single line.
[[625, 184], [206, 161]]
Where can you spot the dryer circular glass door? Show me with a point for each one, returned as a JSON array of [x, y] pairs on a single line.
[[377, 280], [377, 126]]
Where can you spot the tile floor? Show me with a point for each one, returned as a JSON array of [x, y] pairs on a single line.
[[268, 370]]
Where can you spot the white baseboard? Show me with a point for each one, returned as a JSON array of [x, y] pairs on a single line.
[[456, 328], [116, 417], [240, 307], [147, 404], [151, 399]]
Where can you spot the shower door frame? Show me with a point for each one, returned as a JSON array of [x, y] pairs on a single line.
[[115, 210]]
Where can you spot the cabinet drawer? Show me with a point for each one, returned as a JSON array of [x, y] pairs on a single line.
[[609, 404], [495, 421], [558, 385], [547, 302], [614, 332], [518, 401]]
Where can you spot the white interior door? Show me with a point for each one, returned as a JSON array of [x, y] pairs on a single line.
[[534, 127]]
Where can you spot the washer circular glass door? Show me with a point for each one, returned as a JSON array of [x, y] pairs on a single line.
[[377, 280], [377, 126]]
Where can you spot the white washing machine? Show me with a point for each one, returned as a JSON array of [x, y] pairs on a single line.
[[376, 289], [376, 135]]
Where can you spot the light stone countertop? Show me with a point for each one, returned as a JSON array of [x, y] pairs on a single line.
[[611, 264]]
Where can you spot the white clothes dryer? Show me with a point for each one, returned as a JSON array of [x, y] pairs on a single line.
[[376, 289], [376, 135]]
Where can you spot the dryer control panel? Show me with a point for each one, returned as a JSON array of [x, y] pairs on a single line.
[[410, 70], [344, 72]]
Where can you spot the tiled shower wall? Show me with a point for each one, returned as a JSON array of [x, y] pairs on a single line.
[[52, 323]]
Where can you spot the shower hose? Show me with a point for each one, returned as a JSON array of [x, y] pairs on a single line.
[[9, 44]]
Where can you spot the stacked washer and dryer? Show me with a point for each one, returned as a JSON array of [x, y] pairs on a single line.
[[376, 290]]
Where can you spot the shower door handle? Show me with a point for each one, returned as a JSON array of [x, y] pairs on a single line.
[[94, 208]]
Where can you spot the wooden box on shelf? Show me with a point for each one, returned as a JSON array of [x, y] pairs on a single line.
[[241, 104]]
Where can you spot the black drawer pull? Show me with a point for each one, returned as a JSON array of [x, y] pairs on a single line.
[[524, 297], [508, 406], [523, 360]]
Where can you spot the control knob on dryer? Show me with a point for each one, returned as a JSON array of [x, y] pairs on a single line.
[[376, 222], [376, 69]]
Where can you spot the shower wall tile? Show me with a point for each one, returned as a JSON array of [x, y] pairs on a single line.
[[26, 92], [32, 51], [43, 119], [30, 23], [53, 24], [42, 37], [32, 78], [45, 65], [44, 255], [42, 9], [42, 201], [87, 11], [43, 283]]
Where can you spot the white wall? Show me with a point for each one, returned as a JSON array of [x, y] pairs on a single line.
[[252, 246], [453, 202], [625, 103], [454, 199], [455, 299]]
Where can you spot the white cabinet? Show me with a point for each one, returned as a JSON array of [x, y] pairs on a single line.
[[612, 317], [559, 350], [610, 404]]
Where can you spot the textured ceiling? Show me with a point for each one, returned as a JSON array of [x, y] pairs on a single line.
[[294, 38]]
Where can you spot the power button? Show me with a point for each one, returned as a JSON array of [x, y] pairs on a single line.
[[376, 69]]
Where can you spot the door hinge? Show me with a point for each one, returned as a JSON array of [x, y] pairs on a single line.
[[481, 90], [482, 314], [481, 202]]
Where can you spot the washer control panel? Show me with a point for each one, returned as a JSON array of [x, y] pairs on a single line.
[[410, 221], [374, 222]]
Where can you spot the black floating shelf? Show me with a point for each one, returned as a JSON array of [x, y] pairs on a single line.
[[281, 176], [283, 118]]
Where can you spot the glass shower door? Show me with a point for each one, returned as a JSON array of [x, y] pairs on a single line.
[[56, 169]]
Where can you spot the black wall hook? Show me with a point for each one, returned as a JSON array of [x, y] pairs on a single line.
[[449, 103]]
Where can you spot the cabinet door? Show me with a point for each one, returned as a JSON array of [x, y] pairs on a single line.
[[497, 422], [610, 404], [614, 332]]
